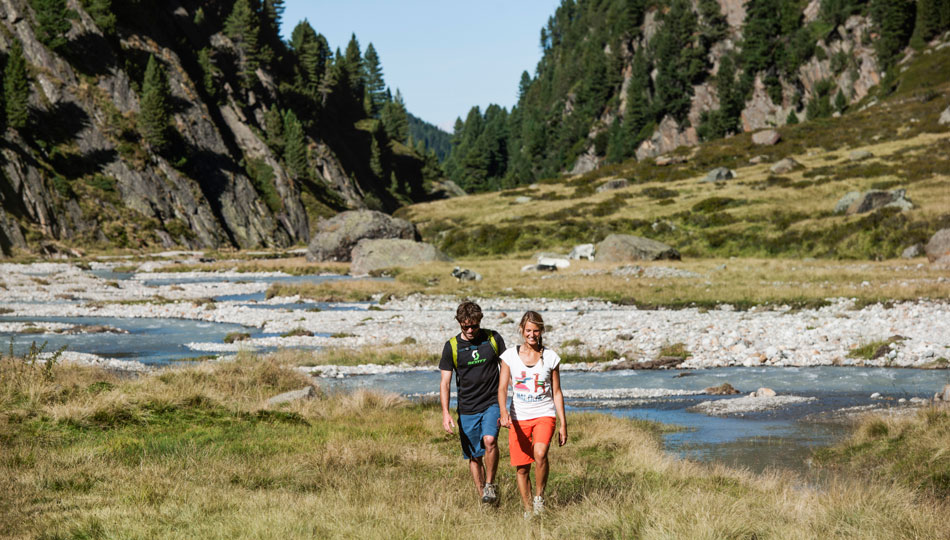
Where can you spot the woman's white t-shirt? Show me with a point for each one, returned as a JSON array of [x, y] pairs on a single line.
[[531, 396]]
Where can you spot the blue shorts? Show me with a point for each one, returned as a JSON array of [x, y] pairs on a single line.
[[472, 427]]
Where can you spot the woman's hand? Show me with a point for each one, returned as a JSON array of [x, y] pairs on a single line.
[[505, 420], [562, 435]]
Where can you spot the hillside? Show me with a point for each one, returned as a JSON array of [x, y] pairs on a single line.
[[640, 78], [131, 124], [758, 213]]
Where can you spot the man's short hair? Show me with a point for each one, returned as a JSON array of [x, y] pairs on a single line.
[[468, 311]]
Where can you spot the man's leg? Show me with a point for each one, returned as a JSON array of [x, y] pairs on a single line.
[[491, 458], [478, 474]]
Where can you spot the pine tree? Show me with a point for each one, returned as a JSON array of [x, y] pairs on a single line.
[[375, 158], [155, 111], [312, 53], [375, 87], [102, 13], [16, 88], [792, 118], [395, 119], [928, 22], [894, 20], [841, 102], [242, 27], [208, 73], [353, 68], [274, 129], [295, 145], [679, 61], [52, 22]]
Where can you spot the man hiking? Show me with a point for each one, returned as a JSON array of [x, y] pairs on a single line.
[[473, 355]]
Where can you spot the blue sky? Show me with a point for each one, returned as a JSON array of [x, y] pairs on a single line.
[[444, 56]]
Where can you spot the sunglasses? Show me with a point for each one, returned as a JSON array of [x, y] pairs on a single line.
[[470, 326]]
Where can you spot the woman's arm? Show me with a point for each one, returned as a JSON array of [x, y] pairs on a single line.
[[503, 378], [559, 405]]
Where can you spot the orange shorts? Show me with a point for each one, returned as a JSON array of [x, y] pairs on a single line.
[[524, 434]]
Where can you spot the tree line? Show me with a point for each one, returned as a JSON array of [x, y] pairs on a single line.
[[576, 101]]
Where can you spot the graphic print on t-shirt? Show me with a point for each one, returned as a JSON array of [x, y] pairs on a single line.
[[529, 387]]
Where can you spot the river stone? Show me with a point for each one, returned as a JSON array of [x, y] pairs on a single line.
[[786, 165], [626, 248], [557, 262], [763, 392], [720, 173], [616, 183], [335, 238], [913, 251], [860, 155], [582, 251], [874, 199], [938, 247], [376, 254], [944, 395], [766, 138], [294, 395], [846, 201], [724, 389]]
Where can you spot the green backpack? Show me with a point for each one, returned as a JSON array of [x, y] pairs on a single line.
[[454, 343]]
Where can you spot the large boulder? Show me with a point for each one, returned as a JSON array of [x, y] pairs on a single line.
[[944, 119], [336, 237], [785, 165], [625, 248], [719, 174], [582, 251], [376, 254], [766, 138], [610, 185], [875, 198], [845, 202], [938, 247]]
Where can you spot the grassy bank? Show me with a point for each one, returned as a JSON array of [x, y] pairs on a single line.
[[196, 453], [913, 451], [740, 282]]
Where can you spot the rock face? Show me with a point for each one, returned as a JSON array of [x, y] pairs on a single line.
[[616, 183], [768, 137], [911, 252], [784, 166], [369, 255], [626, 248], [874, 199], [719, 174], [938, 247], [336, 237]]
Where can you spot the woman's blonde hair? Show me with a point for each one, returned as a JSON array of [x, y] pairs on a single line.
[[534, 318]]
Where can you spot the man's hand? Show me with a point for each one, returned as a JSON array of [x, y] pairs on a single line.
[[447, 423]]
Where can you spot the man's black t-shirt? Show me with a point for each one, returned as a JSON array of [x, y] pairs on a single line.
[[476, 377]]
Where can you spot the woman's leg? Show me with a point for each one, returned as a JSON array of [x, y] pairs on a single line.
[[524, 485], [541, 472]]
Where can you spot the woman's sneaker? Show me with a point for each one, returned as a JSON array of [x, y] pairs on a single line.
[[490, 494], [538, 505]]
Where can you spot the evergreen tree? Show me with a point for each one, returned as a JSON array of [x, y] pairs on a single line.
[[155, 108], [375, 87], [242, 27], [295, 145], [841, 102], [395, 119], [353, 68], [102, 13], [209, 73], [679, 61], [274, 130], [761, 46], [894, 20], [638, 113], [375, 158], [16, 88], [312, 53], [929, 22], [52, 22], [792, 118]]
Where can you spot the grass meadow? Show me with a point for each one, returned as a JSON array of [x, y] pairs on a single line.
[[196, 453]]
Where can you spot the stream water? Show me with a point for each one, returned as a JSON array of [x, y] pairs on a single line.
[[784, 437]]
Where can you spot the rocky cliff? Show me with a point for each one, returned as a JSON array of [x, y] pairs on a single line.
[[80, 173]]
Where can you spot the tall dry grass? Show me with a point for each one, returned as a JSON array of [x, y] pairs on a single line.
[[197, 453]]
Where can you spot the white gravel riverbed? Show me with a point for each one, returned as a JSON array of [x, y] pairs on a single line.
[[715, 338]]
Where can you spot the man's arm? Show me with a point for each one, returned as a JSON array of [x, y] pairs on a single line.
[[445, 390]]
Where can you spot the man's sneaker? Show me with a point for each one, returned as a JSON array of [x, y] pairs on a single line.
[[538, 505], [490, 494]]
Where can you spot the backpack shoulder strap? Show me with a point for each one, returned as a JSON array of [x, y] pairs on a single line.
[[491, 339], [454, 343]]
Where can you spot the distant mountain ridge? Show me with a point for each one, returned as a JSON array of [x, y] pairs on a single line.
[[620, 79], [128, 123]]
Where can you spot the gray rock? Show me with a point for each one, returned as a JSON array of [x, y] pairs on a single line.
[[610, 185], [582, 251], [522, 199], [626, 248], [763, 392], [538, 268], [786, 165], [874, 199], [944, 394], [944, 117], [464, 274], [446, 189], [860, 155], [718, 174], [911, 252], [335, 238], [293, 395], [846, 201], [376, 254], [876, 395], [767, 137], [938, 247]]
